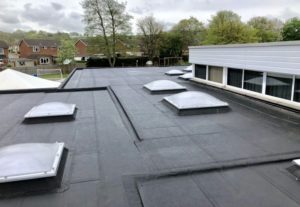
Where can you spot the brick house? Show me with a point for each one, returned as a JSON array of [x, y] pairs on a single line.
[[81, 50], [42, 51], [3, 52]]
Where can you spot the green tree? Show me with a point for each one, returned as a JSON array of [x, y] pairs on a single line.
[[172, 45], [150, 32], [67, 51], [109, 19], [227, 28], [268, 30], [291, 30], [190, 31]]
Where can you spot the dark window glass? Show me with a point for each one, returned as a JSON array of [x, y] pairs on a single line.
[[235, 77], [279, 85], [200, 71], [253, 81], [297, 90]]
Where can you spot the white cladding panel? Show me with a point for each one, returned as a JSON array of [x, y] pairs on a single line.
[[270, 57]]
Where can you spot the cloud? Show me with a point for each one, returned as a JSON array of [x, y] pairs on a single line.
[[57, 6], [52, 17], [9, 18], [66, 15]]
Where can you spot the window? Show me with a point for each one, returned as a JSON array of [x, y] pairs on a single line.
[[297, 89], [22, 63], [215, 74], [253, 81], [44, 60], [1, 51], [200, 71], [235, 77], [279, 85], [36, 49]]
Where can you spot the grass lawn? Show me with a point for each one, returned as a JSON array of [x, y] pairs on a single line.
[[53, 76]]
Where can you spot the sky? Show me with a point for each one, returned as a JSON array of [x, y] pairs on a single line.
[[66, 15]]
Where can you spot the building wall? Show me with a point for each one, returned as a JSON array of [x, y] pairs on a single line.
[[26, 51], [81, 49], [270, 57], [269, 71]]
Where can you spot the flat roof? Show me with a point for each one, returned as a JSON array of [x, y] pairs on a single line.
[[127, 148]]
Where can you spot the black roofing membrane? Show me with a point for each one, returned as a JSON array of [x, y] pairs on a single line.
[[102, 151]]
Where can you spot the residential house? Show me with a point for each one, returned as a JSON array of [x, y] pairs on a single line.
[[3, 52], [42, 51], [81, 50]]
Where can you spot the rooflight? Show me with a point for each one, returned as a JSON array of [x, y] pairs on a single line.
[[31, 168], [296, 162], [29, 161], [164, 86], [188, 69], [186, 76], [174, 72], [194, 102], [51, 109], [295, 169]]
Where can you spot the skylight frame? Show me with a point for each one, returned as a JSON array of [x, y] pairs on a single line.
[[31, 113], [45, 174]]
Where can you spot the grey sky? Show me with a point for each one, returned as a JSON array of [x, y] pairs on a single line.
[[66, 15]]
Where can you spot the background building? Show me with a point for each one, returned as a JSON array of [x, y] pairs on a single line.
[[268, 71], [3, 52], [42, 51]]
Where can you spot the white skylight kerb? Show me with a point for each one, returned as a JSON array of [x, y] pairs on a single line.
[[194, 100], [188, 69], [164, 85], [174, 72], [51, 109], [186, 76], [29, 161]]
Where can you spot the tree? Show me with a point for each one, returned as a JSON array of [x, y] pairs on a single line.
[[67, 51], [173, 45], [190, 31], [107, 18], [227, 28], [150, 35], [291, 30], [268, 30]]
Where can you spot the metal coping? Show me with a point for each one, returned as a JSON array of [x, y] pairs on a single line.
[[48, 173]]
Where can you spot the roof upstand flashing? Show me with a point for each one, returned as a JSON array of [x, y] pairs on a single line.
[[174, 72], [164, 86], [31, 168], [51, 112], [195, 103]]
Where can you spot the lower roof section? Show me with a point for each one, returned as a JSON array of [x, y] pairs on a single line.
[[261, 186]]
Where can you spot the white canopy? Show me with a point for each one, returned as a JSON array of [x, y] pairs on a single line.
[[13, 80]]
